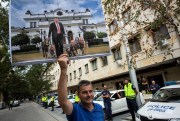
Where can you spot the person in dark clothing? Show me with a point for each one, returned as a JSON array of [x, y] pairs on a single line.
[[57, 30], [107, 103], [130, 93], [154, 87]]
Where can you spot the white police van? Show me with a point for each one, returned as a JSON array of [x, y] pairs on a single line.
[[164, 106]]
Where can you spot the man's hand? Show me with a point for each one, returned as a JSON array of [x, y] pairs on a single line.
[[63, 61]]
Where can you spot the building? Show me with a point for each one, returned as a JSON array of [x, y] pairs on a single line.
[[75, 24], [155, 51]]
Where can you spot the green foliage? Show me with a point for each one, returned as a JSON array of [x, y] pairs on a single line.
[[38, 82], [4, 25], [36, 40], [26, 48], [89, 35], [101, 34], [96, 41], [20, 39]]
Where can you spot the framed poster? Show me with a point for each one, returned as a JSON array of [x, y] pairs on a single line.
[[41, 30]]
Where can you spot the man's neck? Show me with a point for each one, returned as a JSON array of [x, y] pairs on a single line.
[[89, 107]]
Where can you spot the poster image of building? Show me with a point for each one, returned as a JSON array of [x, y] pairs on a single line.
[[40, 31]]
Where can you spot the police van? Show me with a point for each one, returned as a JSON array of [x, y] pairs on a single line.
[[164, 106]]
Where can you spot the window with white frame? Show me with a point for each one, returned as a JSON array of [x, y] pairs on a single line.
[[161, 34], [104, 61], [113, 25], [134, 45], [80, 72], [74, 74], [117, 53], [86, 68], [127, 15], [94, 64], [33, 25]]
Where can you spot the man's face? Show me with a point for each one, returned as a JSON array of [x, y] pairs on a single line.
[[125, 81], [86, 94], [105, 87], [153, 82], [55, 20]]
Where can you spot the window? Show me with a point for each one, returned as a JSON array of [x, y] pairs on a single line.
[[113, 26], [104, 61], [33, 25], [94, 64], [83, 21], [127, 16], [117, 54], [86, 69], [70, 76], [134, 45], [161, 34], [74, 74], [80, 72]]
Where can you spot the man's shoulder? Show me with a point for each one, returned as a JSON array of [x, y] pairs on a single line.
[[97, 105]]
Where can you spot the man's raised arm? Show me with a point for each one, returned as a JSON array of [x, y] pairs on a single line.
[[62, 85]]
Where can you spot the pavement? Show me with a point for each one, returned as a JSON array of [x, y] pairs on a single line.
[[146, 98]]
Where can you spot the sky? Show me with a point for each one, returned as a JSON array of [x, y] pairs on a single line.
[[19, 8]]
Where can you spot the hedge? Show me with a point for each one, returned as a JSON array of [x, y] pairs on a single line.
[[27, 48], [96, 41]]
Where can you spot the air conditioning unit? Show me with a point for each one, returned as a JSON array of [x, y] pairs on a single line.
[[119, 63], [164, 42]]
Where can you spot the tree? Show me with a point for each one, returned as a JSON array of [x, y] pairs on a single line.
[[36, 40], [101, 34], [4, 25], [20, 39], [89, 35], [38, 82]]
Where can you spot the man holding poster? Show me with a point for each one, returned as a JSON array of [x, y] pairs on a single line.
[[86, 110], [57, 30]]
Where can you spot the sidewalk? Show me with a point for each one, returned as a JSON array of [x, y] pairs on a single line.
[[55, 116], [146, 98]]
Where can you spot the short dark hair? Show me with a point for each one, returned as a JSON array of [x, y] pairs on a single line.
[[83, 83]]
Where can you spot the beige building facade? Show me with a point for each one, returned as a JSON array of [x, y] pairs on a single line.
[[155, 52]]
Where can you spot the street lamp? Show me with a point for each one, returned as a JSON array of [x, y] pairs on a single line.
[[132, 72]]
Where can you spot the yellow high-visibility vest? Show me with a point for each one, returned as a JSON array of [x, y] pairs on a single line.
[[45, 99], [77, 98], [129, 92], [52, 98]]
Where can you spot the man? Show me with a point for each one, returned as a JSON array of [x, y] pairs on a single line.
[[10, 104], [107, 103], [130, 93], [86, 110], [81, 44], [57, 30], [45, 102], [77, 100], [154, 87], [52, 103]]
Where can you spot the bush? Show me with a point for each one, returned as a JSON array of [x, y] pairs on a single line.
[[27, 48], [96, 41]]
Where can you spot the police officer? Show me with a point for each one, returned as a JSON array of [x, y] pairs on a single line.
[[130, 93], [46, 102], [77, 100], [52, 103], [107, 103], [42, 100]]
